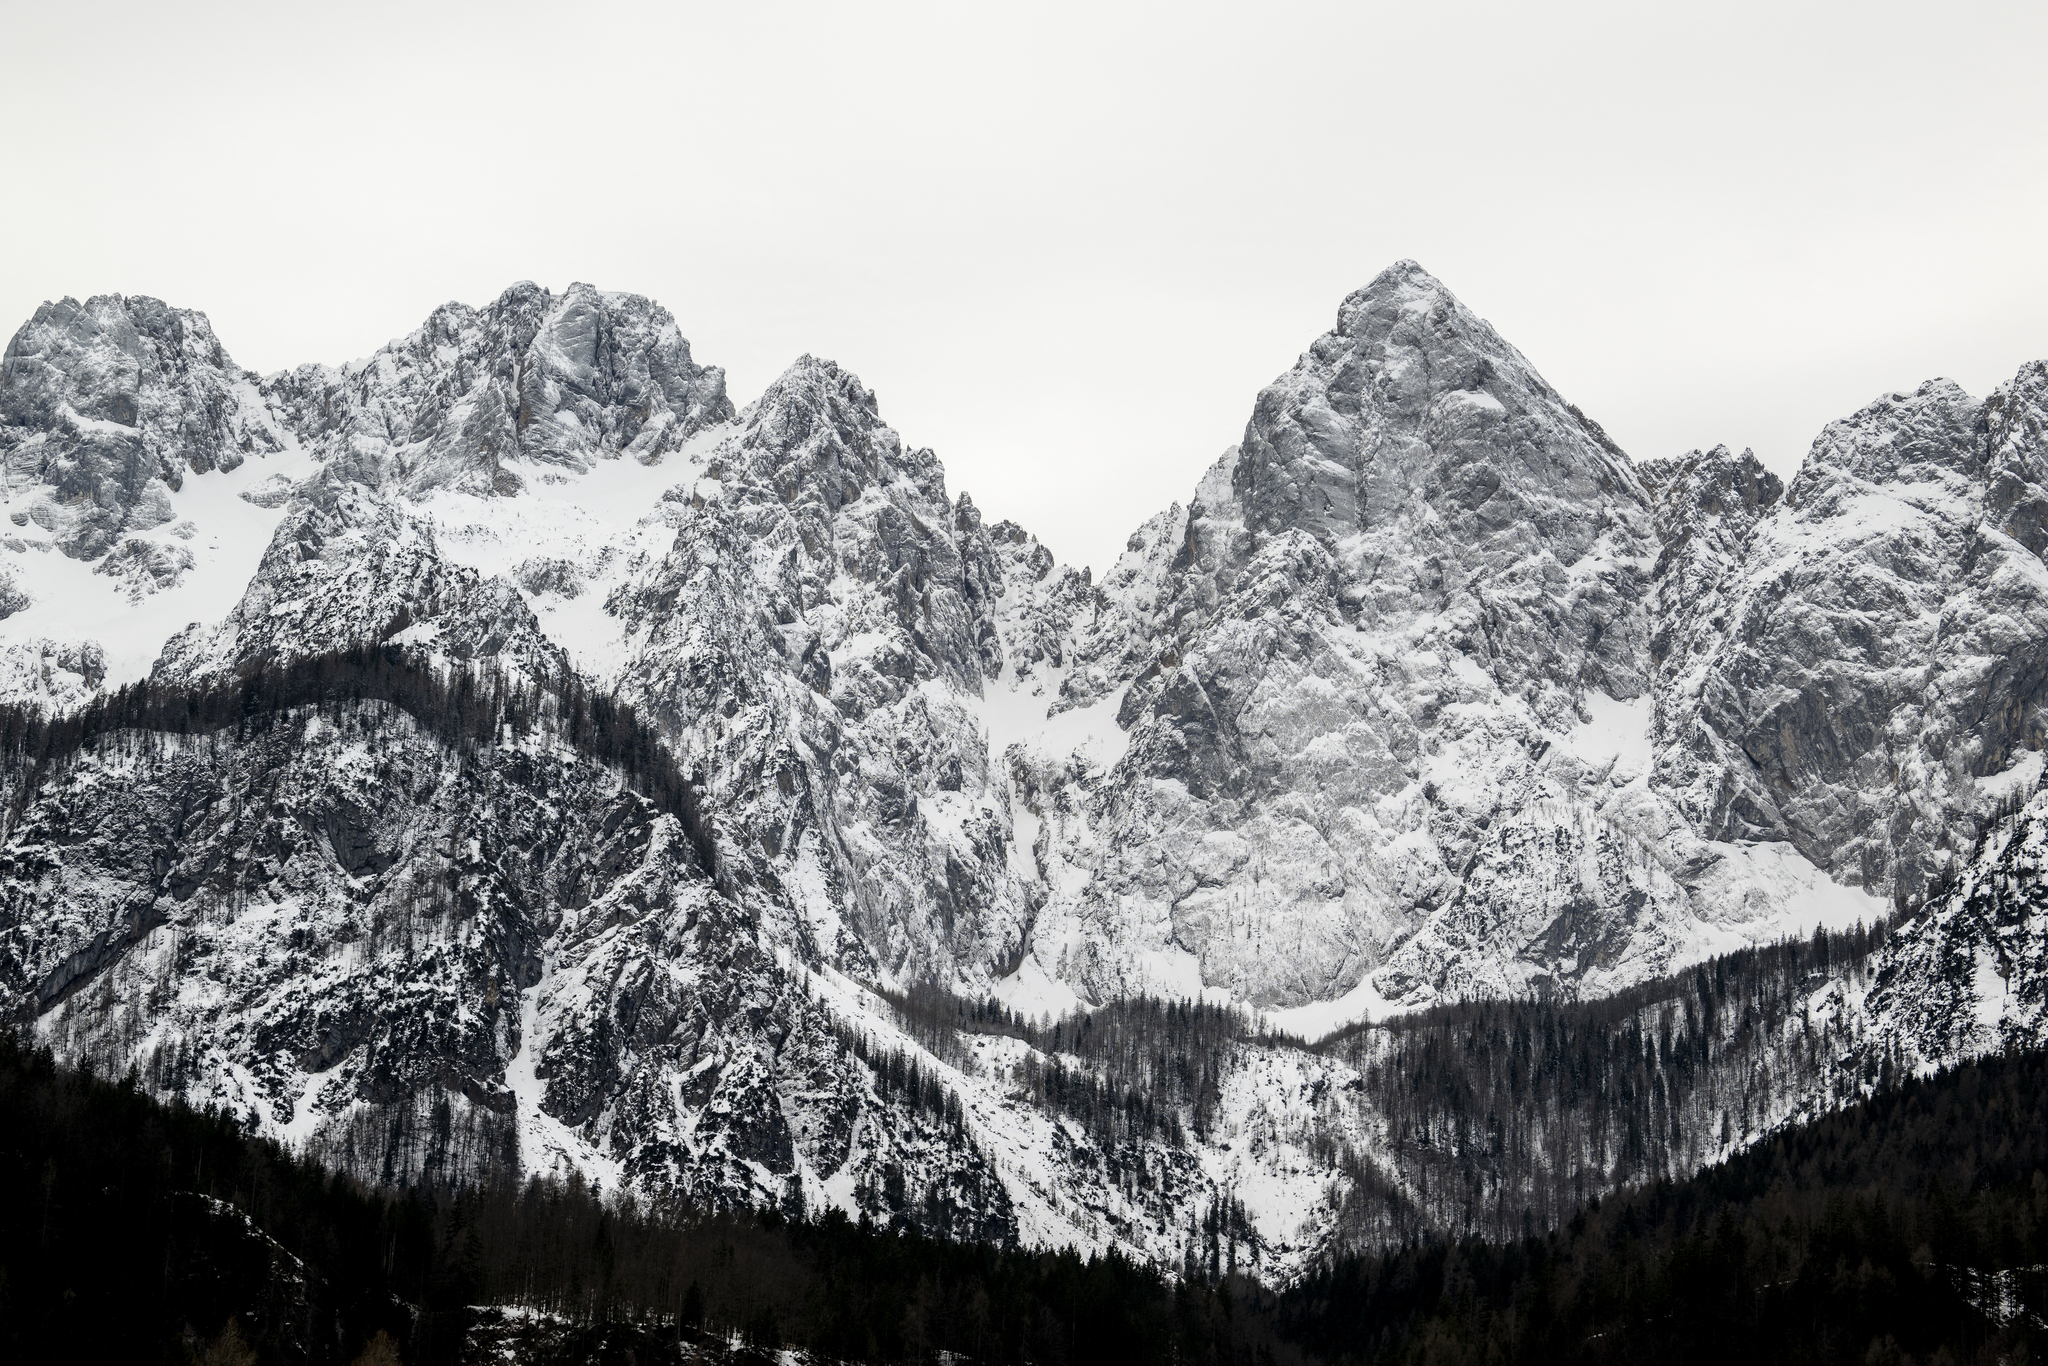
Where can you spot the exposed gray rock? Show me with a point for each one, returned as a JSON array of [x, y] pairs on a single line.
[[49, 674], [12, 596], [145, 567], [1883, 649], [273, 492], [549, 575], [1968, 974], [104, 404], [348, 567], [421, 967], [1344, 663], [531, 378], [817, 637]]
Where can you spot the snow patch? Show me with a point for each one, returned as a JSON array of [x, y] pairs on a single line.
[[2022, 775], [1801, 897], [224, 533], [1319, 1019], [546, 1145], [1036, 994], [1988, 987], [1012, 713], [602, 525], [1617, 734]]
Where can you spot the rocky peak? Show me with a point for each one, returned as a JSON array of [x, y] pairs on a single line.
[[1733, 490], [1411, 381], [813, 466], [348, 567], [1413, 435], [532, 377], [1877, 658], [817, 434], [1344, 668], [105, 406], [1707, 504], [132, 361], [1926, 448]]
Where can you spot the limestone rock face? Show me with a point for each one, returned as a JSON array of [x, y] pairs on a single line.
[[107, 406], [1707, 504], [1877, 660], [1413, 435], [817, 635], [346, 568], [1424, 691], [1350, 671], [1968, 974], [51, 674], [559, 382], [419, 968]]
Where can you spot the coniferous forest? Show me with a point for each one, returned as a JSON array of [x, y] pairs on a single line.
[[136, 1231], [1502, 1117], [1910, 1228], [466, 708]]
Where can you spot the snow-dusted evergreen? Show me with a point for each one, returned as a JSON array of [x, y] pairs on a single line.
[[1426, 693]]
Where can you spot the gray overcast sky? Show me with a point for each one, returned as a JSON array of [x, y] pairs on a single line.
[[1067, 244]]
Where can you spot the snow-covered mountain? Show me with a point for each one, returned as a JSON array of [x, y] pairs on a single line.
[[1427, 692]]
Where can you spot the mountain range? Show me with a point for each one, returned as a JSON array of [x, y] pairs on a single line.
[[506, 753]]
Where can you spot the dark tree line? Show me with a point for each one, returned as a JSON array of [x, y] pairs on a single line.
[[1503, 1116], [1495, 1117], [1499, 1116], [1145, 1063], [135, 1230], [1910, 1228], [849, 1290], [899, 1076], [123, 1233], [466, 708]]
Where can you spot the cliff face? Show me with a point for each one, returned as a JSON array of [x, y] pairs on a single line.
[[107, 406], [1879, 669], [1426, 692], [1342, 667]]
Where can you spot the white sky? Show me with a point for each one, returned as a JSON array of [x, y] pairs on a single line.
[[1067, 244]]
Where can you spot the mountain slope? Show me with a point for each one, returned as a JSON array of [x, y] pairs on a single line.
[[575, 770], [1904, 1227]]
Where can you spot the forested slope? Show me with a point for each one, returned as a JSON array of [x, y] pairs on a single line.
[[1499, 1116], [1911, 1227], [133, 1230], [369, 878], [1490, 1117]]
